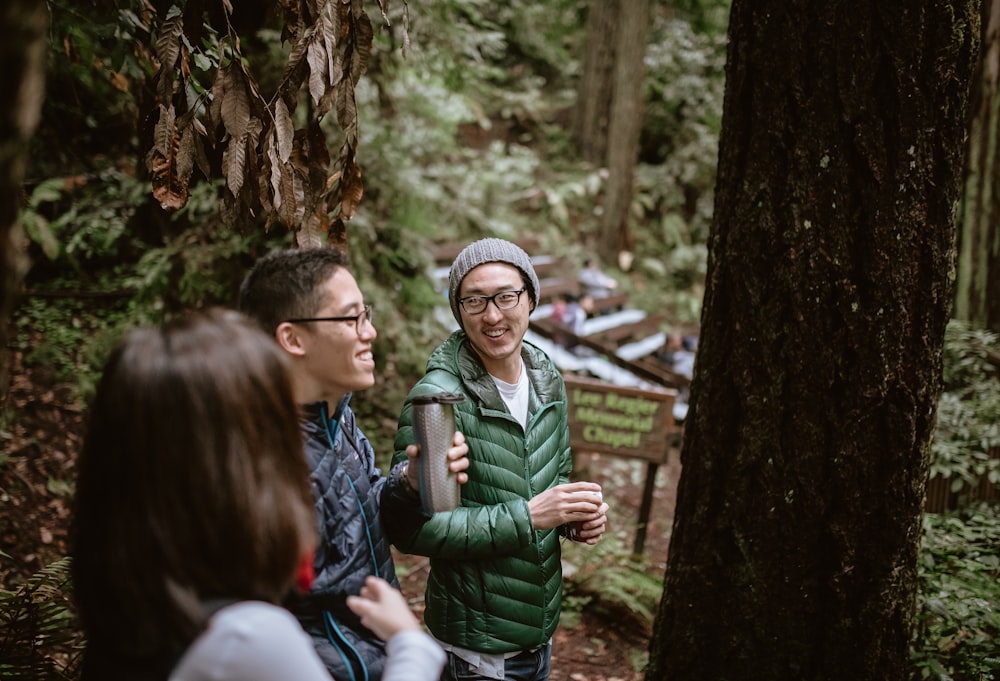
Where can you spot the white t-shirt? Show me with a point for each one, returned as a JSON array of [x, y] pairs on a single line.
[[515, 396], [257, 641]]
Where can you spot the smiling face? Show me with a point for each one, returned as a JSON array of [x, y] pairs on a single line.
[[496, 334], [334, 358]]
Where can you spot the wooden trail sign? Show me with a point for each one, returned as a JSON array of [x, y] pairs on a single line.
[[631, 422]]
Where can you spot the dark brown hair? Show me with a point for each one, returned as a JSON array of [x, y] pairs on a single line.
[[192, 486]]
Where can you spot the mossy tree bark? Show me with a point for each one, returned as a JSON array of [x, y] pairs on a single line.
[[977, 295], [794, 549]]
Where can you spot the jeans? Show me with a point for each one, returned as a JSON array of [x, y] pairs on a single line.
[[532, 666]]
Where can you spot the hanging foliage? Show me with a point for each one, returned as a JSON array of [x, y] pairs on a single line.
[[274, 155]]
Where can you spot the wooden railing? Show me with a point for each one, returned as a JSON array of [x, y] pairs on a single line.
[[949, 494]]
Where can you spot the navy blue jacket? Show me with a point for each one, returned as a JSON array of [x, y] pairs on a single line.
[[350, 492]]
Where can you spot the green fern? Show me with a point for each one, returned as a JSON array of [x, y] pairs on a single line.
[[610, 579], [39, 636]]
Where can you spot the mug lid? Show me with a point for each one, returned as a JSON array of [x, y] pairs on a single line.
[[439, 398]]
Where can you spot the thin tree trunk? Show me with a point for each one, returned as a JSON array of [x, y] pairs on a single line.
[[593, 110], [625, 127], [977, 296], [794, 550], [22, 63]]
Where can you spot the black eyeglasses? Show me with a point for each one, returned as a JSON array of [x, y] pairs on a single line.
[[505, 300], [359, 319]]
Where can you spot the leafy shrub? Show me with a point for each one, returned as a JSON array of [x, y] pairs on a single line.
[[968, 420], [90, 111], [79, 221], [101, 267], [63, 333], [958, 621]]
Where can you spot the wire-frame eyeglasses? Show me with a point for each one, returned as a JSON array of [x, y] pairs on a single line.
[[359, 319], [504, 300]]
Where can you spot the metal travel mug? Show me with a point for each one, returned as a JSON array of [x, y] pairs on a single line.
[[434, 427]]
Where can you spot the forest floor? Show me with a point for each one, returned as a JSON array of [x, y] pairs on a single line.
[[38, 448]]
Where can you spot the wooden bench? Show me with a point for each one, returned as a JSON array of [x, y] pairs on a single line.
[[556, 287], [547, 267], [634, 330], [612, 302], [648, 368]]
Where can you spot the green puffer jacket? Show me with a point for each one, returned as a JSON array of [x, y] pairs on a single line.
[[495, 584]]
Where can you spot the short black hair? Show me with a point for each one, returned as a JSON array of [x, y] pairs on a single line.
[[287, 285]]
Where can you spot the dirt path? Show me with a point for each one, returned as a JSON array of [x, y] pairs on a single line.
[[594, 642]]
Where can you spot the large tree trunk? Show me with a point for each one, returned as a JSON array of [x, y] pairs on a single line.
[[22, 63], [977, 297], [625, 126], [593, 110], [794, 549]]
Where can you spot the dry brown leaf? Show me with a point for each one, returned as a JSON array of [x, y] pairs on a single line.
[[284, 130], [165, 130], [328, 27], [185, 154], [364, 36], [352, 189], [119, 82], [312, 234], [290, 11], [318, 77], [300, 198], [288, 205], [235, 104], [347, 113], [201, 158], [168, 43], [219, 87], [171, 165], [274, 172], [234, 164], [337, 235], [267, 164]]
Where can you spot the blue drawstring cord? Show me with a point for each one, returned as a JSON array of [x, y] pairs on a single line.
[[329, 622]]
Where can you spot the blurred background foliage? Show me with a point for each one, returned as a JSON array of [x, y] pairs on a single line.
[[464, 121]]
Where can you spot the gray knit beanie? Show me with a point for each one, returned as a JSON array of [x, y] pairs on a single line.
[[489, 250]]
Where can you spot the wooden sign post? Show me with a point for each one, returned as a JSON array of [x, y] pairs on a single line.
[[634, 423]]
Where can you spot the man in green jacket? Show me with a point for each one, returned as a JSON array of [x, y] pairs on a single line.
[[494, 590]]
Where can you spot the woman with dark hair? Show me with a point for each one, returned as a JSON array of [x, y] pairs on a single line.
[[193, 512]]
